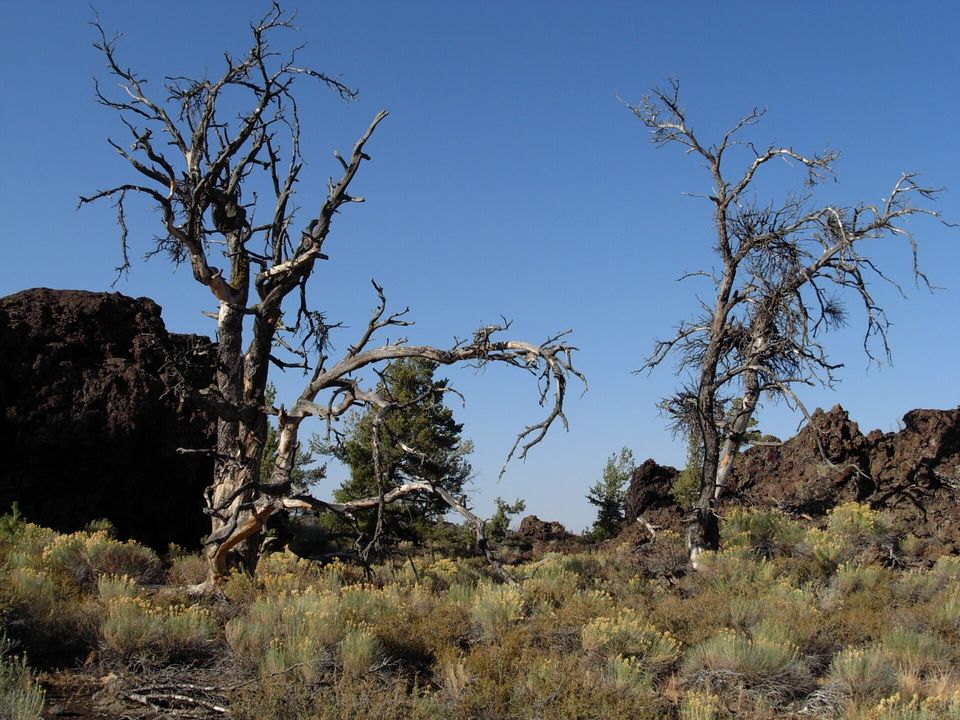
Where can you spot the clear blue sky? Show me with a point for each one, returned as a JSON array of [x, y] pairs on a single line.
[[510, 180]]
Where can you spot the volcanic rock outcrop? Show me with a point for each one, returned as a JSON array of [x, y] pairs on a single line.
[[649, 494], [533, 530], [91, 417], [914, 472]]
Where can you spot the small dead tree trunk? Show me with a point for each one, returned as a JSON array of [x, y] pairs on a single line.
[[192, 156], [783, 268]]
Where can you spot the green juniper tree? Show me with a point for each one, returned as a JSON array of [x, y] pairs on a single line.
[[498, 525], [686, 487], [608, 494], [421, 421]]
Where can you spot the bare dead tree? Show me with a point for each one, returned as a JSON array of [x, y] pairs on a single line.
[[200, 153], [783, 271]]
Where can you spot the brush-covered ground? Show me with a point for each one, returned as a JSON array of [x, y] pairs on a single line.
[[847, 620]]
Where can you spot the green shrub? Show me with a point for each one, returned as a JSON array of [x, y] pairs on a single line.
[[853, 520], [917, 653], [860, 530], [285, 631], [947, 567], [111, 587], [12, 525], [933, 708], [516, 679], [917, 585], [765, 532], [359, 651], [699, 706], [363, 604], [552, 587], [627, 676], [946, 615], [79, 558], [101, 525], [731, 661], [51, 621], [444, 572], [495, 609], [790, 616], [851, 578], [240, 588], [825, 550], [133, 628], [34, 593], [735, 571], [859, 674], [187, 570], [21, 697], [626, 635]]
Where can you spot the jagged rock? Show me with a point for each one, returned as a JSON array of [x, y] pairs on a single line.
[[649, 489], [818, 468], [914, 472], [91, 422], [650, 495], [534, 530]]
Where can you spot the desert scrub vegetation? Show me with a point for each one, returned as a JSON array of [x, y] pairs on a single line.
[[774, 672], [21, 697], [766, 629]]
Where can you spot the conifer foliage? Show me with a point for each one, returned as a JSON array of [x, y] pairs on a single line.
[[608, 494], [422, 421]]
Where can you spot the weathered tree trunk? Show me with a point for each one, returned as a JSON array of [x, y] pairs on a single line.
[[737, 433], [240, 439], [703, 532]]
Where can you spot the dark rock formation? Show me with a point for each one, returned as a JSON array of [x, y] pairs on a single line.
[[91, 421], [650, 494], [649, 489], [915, 471], [533, 530]]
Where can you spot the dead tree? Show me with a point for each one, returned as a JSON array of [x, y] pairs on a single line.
[[783, 271], [209, 154]]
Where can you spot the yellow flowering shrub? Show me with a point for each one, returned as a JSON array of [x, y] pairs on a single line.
[[495, 608], [133, 627], [699, 706], [626, 634], [289, 617], [895, 707]]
